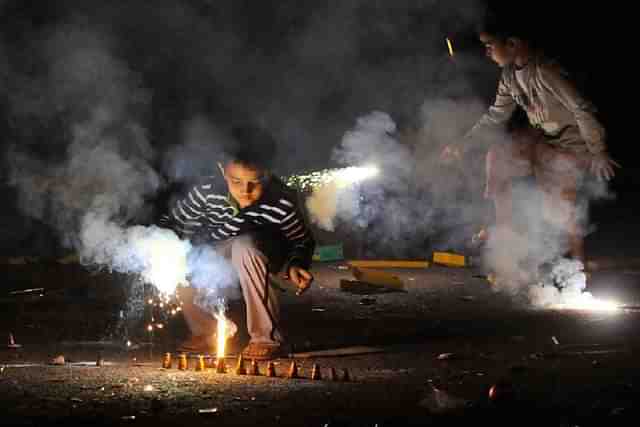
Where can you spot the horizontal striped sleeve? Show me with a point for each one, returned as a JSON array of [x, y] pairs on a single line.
[[286, 203], [265, 216], [273, 209]]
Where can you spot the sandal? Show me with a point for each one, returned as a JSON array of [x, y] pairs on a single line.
[[263, 351]]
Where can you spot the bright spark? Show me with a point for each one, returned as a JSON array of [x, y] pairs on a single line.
[[343, 177]]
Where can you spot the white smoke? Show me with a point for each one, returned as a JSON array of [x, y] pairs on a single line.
[[101, 187], [156, 254], [563, 286], [202, 144], [366, 150]]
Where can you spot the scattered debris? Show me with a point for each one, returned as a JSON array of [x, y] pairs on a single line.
[[27, 291], [12, 342], [208, 411], [367, 301], [345, 351], [364, 288], [318, 309], [128, 418], [439, 402], [446, 356], [380, 278], [555, 340], [501, 392]]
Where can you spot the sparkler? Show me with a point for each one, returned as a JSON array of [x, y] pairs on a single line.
[[342, 177]]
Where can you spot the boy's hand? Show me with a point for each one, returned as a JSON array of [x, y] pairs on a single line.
[[450, 153], [602, 166], [301, 278]]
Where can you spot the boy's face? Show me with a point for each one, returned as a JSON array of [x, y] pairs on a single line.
[[502, 52], [245, 183]]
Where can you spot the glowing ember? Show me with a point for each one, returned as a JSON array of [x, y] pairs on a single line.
[[450, 46], [342, 177]]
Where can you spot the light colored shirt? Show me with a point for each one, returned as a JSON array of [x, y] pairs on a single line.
[[552, 103]]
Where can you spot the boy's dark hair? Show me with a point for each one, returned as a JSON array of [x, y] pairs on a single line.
[[251, 146], [505, 24]]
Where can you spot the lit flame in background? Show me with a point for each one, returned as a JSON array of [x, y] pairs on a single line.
[[450, 46], [342, 177]]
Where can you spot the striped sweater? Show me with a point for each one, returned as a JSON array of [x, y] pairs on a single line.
[[208, 213]]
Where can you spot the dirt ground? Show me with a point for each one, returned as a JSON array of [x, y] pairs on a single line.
[[559, 368]]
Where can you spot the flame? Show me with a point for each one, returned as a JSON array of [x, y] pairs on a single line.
[[222, 333], [450, 46]]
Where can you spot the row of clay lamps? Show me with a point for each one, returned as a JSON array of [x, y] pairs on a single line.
[[221, 368]]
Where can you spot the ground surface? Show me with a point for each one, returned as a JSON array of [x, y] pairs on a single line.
[[590, 377]]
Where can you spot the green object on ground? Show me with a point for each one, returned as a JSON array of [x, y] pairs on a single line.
[[328, 253]]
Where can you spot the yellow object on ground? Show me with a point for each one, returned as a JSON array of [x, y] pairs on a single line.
[[449, 259], [376, 277], [388, 263]]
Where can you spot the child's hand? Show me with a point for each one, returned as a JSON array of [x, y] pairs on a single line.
[[602, 166]]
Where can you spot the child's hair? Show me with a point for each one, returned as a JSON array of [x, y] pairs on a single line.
[[505, 24], [252, 146]]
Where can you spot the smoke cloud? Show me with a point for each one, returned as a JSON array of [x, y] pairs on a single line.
[[96, 190]]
